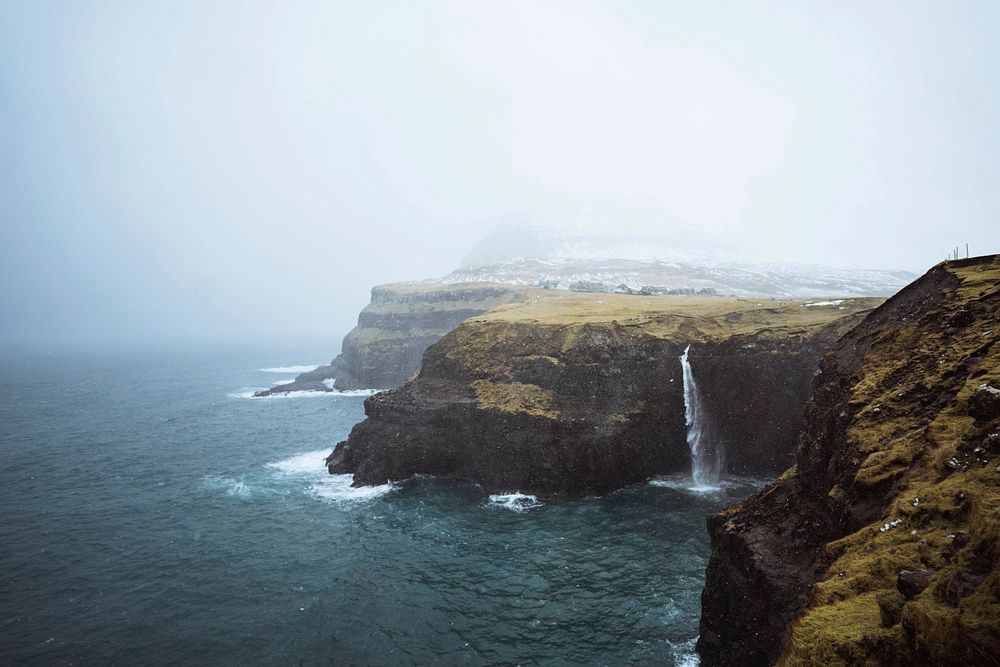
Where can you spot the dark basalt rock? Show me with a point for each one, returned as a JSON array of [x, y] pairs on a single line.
[[912, 583], [984, 404], [394, 330], [586, 407]]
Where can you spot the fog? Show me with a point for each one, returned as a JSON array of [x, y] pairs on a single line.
[[222, 169]]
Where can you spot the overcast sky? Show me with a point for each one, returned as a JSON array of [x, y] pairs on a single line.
[[216, 168]]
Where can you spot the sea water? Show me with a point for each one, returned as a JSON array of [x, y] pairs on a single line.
[[153, 513]]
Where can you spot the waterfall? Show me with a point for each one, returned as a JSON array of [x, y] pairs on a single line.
[[705, 463]]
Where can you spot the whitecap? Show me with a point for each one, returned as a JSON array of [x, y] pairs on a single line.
[[309, 462], [517, 501], [311, 467], [337, 488], [249, 393], [290, 369], [237, 488]]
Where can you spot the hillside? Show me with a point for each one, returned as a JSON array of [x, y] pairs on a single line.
[[881, 545]]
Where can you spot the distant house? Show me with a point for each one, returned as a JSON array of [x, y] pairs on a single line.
[[589, 286], [548, 284]]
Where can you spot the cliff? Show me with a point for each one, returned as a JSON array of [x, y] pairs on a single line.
[[881, 545], [393, 331], [583, 393]]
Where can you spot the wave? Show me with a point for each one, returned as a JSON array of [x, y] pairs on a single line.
[[516, 502], [684, 653], [338, 488], [237, 488], [290, 369], [249, 393], [311, 466], [308, 462]]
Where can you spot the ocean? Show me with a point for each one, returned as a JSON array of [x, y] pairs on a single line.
[[153, 513]]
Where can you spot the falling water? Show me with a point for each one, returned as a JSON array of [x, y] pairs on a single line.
[[705, 462]]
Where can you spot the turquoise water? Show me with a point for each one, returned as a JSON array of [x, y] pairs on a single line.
[[152, 513]]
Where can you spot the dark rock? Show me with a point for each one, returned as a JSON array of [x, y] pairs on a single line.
[[984, 404], [912, 582], [395, 328], [958, 542], [587, 408]]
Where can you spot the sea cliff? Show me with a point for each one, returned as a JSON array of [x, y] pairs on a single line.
[[583, 394], [393, 331], [881, 545]]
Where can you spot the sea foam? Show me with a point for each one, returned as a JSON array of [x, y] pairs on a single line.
[[311, 467], [249, 393], [516, 502]]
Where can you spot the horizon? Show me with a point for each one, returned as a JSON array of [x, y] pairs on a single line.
[[166, 184]]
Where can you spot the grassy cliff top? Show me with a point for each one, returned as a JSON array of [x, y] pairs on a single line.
[[667, 315]]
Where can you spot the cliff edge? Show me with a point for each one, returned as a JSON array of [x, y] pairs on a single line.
[[393, 331], [577, 393], [881, 545]]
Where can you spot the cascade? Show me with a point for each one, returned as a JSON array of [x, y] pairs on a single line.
[[705, 460]]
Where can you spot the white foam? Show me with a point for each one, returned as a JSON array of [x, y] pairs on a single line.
[[338, 489], [249, 393], [281, 382], [290, 369], [311, 467], [517, 501], [308, 462], [825, 303], [685, 483], [684, 653], [236, 488]]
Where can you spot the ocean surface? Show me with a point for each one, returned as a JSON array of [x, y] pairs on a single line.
[[150, 512]]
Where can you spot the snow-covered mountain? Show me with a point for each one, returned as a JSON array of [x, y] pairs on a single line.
[[526, 256]]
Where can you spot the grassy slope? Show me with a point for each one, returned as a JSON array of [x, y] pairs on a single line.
[[947, 475]]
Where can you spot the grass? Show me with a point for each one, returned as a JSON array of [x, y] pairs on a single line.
[[947, 481]]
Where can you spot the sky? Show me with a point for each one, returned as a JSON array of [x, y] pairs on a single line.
[[219, 169]]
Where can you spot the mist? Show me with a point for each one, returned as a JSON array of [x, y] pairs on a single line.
[[213, 170]]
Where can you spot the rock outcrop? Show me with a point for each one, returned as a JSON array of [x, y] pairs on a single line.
[[394, 330], [583, 394], [881, 545]]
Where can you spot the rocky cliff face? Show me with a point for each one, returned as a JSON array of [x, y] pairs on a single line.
[[881, 545], [583, 394], [394, 330]]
